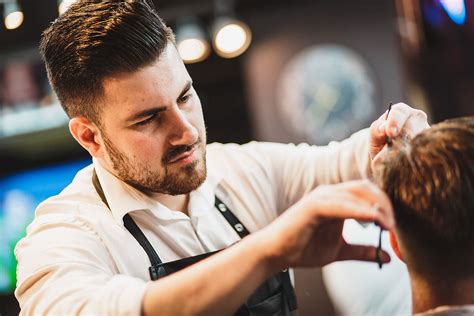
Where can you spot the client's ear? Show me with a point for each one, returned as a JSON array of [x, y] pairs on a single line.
[[394, 244]]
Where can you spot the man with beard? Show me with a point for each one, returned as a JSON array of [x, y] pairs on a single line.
[[160, 222]]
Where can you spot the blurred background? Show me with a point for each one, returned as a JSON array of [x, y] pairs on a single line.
[[273, 70]]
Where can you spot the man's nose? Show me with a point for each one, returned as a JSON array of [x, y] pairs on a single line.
[[182, 132]]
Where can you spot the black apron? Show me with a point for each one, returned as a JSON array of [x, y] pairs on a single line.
[[275, 296]]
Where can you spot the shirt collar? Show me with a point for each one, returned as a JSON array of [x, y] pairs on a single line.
[[123, 198]]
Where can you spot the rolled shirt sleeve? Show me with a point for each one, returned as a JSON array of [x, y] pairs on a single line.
[[65, 269], [315, 165]]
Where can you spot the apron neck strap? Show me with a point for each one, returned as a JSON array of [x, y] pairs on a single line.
[[98, 188], [130, 225]]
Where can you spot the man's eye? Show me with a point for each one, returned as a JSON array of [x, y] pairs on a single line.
[[145, 122], [185, 98]]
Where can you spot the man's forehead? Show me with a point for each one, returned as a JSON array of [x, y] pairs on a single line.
[[166, 66], [162, 80]]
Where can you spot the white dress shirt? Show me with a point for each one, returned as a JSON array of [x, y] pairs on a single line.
[[77, 256]]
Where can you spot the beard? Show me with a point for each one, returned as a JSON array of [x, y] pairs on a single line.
[[170, 180]]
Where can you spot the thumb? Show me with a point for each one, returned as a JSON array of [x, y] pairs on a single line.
[[377, 136]]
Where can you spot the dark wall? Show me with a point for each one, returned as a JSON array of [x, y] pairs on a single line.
[[365, 27]]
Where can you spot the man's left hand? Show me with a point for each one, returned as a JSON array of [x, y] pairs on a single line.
[[402, 120]]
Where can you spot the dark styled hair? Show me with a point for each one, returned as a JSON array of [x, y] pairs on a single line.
[[94, 40], [430, 181]]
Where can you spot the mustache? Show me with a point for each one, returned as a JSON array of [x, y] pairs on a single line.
[[178, 150]]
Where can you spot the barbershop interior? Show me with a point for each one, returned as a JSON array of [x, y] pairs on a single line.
[[299, 71]]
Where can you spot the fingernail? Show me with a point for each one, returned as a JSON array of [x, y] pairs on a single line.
[[393, 131]]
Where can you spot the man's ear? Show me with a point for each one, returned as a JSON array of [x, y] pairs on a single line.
[[87, 134], [394, 244]]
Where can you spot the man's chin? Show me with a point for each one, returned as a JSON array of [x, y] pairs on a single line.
[[177, 179], [183, 186], [184, 180]]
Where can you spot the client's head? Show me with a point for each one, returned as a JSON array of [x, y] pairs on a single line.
[[430, 181]]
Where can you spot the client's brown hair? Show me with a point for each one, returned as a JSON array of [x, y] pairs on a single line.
[[430, 181]]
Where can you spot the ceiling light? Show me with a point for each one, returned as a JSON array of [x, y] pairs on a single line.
[[13, 15], [231, 37], [191, 41], [64, 5]]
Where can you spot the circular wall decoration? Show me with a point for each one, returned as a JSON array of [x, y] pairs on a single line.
[[325, 93]]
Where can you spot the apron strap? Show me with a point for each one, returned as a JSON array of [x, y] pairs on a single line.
[[98, 188], [231, 218], [133, 228], [130, 225]]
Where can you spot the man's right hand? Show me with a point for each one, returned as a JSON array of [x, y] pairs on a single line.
[[310, 232]]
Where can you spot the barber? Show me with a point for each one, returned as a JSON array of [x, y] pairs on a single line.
[[162, 223]]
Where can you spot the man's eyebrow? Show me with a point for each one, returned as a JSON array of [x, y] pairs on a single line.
[[186, 89], [149, 112], [145, 113]]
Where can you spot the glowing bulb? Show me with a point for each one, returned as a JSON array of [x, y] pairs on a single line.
[[193, 50], [64, 5], [14, 20], [232, 39], [13, 15], [191, 40]]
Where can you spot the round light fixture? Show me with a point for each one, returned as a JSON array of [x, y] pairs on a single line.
[[231, 38], [193, 50], [13, 15], [64, 5], [191, 41]]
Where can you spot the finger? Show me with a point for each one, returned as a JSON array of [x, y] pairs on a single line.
[[377, 159], [368, 190], [375, 127], [397, 118], [377, 132], [385, 216], [361, 253], [417, 122], [343, 201], [365, 189], [353, 208]]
